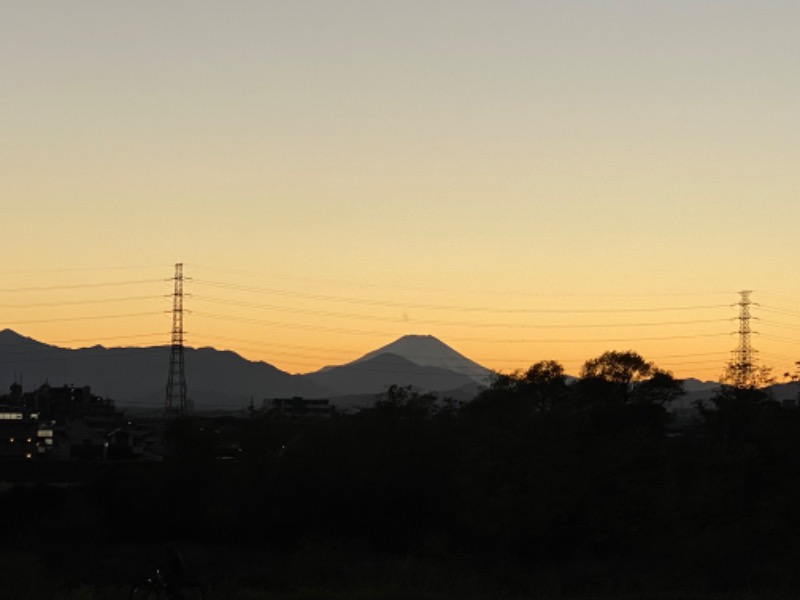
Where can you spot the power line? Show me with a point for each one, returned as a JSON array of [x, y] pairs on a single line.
[[778, 325], [663, 356], [463, 339], [80, 269], [780, 311], [80, 302], [355, 316], [446, 307], [60, 354], [89, 318], [79, 286], [362, 315], [299, 351], [111, 338], [777, 338], [428, 289], [690, 362]]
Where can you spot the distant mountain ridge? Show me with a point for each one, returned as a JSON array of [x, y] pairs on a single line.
[[221, 379], [136, 376]]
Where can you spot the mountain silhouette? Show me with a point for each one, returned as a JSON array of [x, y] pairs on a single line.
[[428, 351], [420, 361], [219, 379], [138, 376], [376, 374]]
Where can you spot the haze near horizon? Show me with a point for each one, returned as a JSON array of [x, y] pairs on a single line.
[[524, 181]]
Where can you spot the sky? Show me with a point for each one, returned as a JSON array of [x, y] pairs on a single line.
[[523, 180]]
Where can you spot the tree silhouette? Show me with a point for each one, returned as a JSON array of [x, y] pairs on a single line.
[[627, 377], [754, 376], [545, 383]]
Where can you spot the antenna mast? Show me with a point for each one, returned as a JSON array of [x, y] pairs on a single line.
[[175, 405]]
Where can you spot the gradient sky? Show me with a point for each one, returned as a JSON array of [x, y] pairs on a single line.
[[335, 174]]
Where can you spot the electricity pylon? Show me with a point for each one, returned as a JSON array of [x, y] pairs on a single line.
[[175, 405], [742, 371]]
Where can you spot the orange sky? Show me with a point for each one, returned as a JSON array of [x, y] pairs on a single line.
[[301, 324], [335, 175]]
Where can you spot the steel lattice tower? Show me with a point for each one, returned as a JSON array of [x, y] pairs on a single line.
[[742, 368], [175, 405]]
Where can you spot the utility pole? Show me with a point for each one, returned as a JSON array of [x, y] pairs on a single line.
[[175, 405]]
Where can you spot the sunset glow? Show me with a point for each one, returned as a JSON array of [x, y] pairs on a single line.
[[524, 181]]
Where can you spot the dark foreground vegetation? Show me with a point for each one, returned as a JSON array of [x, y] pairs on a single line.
[[536, 489]]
